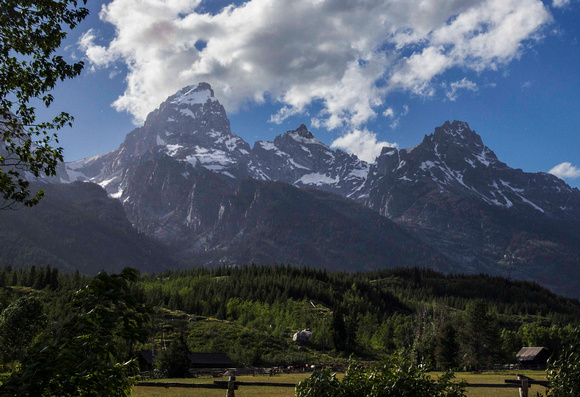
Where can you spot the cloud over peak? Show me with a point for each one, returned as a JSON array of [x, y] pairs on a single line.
[[363, 143], [565, 170], [346, 56]]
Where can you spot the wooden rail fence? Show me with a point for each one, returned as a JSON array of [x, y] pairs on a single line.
[[523, 383]]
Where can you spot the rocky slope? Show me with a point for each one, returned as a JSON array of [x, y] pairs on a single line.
[[209, 218], [76, 226], [454, 162]]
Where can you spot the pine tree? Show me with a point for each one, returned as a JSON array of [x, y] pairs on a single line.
[[338, 330], [175, 360], [480, 337], [447, 350]]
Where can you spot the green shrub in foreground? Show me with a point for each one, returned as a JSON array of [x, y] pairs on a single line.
[[393, 378], [564, 373]]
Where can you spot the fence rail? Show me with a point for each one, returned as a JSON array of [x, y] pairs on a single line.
[[522, 383]]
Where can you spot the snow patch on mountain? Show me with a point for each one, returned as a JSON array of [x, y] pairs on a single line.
[[187, 113], [525, 200], [317, 179], [191, 159], [360, 173], [106, 182], [172, 149], [516, 190], [482, 157], [308, 141], [295, 164], [409, 150], [271, 146], [117, 195], [73, 175], [426, 165], [231, 142]]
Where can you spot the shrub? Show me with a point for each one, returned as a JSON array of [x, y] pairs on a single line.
[[393, 378], [564, 373]]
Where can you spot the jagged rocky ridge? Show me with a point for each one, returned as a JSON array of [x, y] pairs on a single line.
[[192, 127], [179, 176]]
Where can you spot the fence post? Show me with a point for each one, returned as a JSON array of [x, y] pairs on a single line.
[[524, 386], [232, 384]]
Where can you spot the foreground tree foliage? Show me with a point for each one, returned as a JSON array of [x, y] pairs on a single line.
[[564, 373], [31, 31], [19, 324], [393, 378], [82, 357]]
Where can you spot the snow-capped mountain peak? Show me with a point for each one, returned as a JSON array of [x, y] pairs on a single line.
[[453, 161], [303, 136], [302, 131], [193, 95], [191, 127]]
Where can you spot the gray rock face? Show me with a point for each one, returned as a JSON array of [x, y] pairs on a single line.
[[453, 161], [299, 159], [208, 218]]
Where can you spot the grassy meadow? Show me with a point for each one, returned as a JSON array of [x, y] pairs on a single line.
[[251, 391]]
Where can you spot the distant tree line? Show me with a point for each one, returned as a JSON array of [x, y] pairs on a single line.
[[443, 321]]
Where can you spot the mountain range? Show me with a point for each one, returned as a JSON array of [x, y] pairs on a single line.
[[190, 185]]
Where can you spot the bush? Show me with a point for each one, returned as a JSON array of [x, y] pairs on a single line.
[[19, 324], [564, 373], [393, 378]]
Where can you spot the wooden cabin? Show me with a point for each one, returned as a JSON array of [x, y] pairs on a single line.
[[533, 357]]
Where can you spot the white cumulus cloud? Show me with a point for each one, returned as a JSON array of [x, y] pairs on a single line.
[[462, 84], [346, 56], [395, 117], [565, 170], [363, 143], [389, 112], [560, 3]]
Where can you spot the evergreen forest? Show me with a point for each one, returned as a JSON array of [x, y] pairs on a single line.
[[251, 313]]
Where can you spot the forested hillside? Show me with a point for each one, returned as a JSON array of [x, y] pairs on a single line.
[[251, 313], [77, 227]]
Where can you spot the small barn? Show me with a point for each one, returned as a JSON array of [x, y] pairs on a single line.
[[145, 360], [210, 360], [533, 357]]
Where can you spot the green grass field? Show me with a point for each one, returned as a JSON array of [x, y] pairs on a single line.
[[252, 391]]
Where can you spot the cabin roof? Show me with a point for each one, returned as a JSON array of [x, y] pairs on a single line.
[[210, 359], [529, 353], [147, 355]]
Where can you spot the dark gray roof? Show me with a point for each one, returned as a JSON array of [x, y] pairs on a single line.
[[147, 355], [210, 359], [528, 353]]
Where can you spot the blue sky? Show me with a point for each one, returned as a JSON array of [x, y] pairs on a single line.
[[361, 74]]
